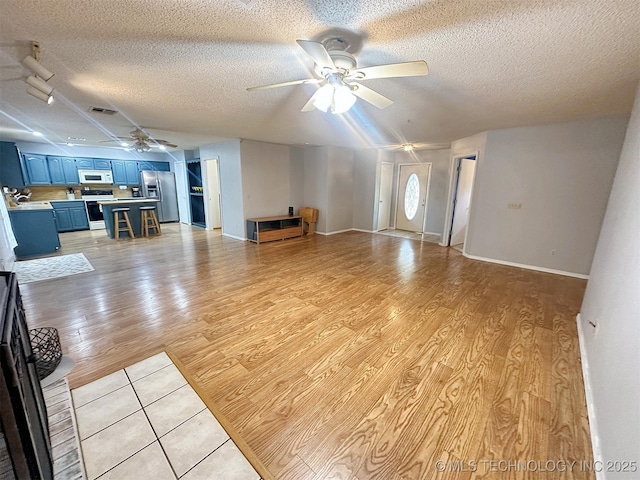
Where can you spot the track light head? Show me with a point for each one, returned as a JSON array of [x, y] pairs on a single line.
[[48, 99], [36, 67], [40, 84]]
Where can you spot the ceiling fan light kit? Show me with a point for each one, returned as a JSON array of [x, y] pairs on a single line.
[[338, 67]]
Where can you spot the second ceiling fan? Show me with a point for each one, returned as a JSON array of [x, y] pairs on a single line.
[[338, 72]]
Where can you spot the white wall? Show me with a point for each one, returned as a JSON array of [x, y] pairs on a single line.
[[315, 183], [296, 178], [437, 202], [233, 220], [366, 171], [611, 352], [561, 175], [265, 178], [340, 189]]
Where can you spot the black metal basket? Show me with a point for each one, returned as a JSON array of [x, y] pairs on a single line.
[[45, 343]]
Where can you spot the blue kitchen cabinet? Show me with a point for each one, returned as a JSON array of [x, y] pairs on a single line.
[[71, 215], [35, 232], [55, 170], [85, 164], [155, 166], [70, 170], [63, 171], [133, 174], [93, 164], [125, 172], [10, 166], [101, 164], [37, 169]]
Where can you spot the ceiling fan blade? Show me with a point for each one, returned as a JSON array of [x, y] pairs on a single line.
[[368, 95], [284, 84], [408, 69], [163, 142], [318, 53]]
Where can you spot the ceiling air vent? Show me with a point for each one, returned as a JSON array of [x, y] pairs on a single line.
[[105, 111]]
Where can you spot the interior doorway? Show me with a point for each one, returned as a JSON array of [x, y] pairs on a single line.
[[465, 170], [413, 190], [212, 208], [384, 196]]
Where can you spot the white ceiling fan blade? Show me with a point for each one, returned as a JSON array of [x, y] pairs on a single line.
[[408, 69], [309, 105], [368, 95], [285, 84], [164, 143], [318, 53]]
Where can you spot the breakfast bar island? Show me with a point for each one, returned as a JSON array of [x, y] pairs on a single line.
[[134, 214]]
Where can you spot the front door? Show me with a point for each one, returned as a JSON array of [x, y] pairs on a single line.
[[412, 197]]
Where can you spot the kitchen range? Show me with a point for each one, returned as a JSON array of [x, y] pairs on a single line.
[[94, 210]]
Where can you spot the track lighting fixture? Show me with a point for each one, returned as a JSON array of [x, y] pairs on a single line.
[[36, 67], [40, 84], [48, 99], [39, 87]]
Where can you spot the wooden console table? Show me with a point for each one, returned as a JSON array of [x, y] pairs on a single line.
[[268, 229]]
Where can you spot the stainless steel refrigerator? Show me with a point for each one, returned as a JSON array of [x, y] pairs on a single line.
[[161, 185]]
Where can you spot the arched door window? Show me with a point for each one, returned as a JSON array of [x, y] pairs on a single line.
[[412, 196]]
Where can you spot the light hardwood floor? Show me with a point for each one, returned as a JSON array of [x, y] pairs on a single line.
[[349, 356]]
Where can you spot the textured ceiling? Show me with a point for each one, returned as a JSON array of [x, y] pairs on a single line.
[[180, 68]]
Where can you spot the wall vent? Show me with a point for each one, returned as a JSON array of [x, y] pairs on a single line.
[[105, 111]]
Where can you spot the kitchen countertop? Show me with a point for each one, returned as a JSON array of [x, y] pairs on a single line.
[[32, 206], [126, 200]]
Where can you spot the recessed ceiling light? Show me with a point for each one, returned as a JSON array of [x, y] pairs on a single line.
[[162, 147], [77, 139], [37, 134], [124, 144], [69, 144]]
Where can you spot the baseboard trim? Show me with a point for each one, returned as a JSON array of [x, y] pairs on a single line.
[[361, 230], [591, 413], [336, 232], [528, 267], [234, 237], [432, 233]]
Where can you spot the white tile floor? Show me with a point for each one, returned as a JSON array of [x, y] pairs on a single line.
[[147, 422]]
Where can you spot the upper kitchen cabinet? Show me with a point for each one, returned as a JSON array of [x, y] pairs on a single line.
[[93, 164], [63, 171], [155, 166], [125, 172], [10, 168], [101, 164], [85, 164], [37, 169]]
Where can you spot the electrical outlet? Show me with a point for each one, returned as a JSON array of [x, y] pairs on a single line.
[[515, 206], [552, 253]]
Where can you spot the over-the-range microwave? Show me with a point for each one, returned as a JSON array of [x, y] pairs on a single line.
[[95, 176]]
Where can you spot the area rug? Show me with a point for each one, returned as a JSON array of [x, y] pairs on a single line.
[[51, 267]]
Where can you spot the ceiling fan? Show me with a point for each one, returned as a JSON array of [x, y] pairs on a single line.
[[340, 77], [141, 141]]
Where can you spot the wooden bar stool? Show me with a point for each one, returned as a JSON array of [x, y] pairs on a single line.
[[149, 221], [122, 223]]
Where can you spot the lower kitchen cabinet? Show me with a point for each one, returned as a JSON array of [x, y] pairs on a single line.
[[35, 232], [71, 216]]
